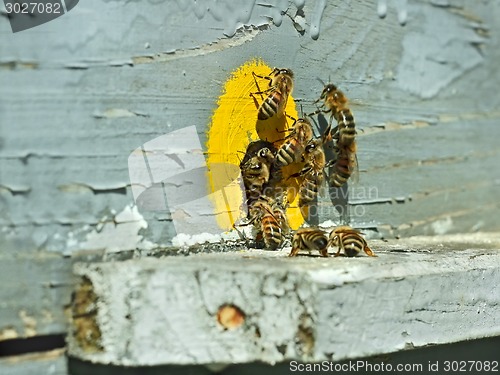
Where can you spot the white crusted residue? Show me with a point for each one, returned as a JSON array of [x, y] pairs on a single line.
[[120, 234], [183, 239], [442, 226], [328, 224]]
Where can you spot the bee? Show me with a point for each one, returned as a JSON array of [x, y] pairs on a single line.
[[270, 221], [345, 165], [256, 171], [312, 172], [280, 87], [335, 103], [350, 241], [291, 151], [254, 148], [309, 239]]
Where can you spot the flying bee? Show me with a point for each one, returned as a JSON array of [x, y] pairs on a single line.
[[292, 150], [345, 165], [335, 102], [312, 172], [269, 220], [309, 239], [350, 241], [256, 171], [280, 87]]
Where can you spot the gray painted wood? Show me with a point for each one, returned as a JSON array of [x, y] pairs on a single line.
[[78, 94], [417, 292]]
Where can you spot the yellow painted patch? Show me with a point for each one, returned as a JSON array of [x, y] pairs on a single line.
[[234, 125]]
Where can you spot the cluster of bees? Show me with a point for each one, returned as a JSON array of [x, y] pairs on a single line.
[[263, 164]]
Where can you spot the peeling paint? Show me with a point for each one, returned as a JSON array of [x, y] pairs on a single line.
[[241, 37], [16, 64], [316, 18], [16, 189], [119, 188], [442, 226], [117, 113], [29, 322], [8, 334], [393, 126], [120, 234]]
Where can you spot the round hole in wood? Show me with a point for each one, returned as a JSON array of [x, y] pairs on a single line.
[[230, 316]]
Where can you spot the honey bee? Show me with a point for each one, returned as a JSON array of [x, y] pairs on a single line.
[[345, 165], [350, 241], [270, 221], [256, 171], [335, 103], [312, 172], [254, 148], [280, 87], [309, 239], [291, 151]]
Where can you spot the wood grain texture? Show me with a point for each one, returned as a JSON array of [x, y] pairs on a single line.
[[79, 94]]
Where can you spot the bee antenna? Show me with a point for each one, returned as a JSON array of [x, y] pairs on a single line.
[[321, 81]]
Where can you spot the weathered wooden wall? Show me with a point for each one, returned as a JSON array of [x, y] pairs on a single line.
[[78, 94]]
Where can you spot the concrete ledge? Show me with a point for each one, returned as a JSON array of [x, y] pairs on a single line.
[[252, 305]]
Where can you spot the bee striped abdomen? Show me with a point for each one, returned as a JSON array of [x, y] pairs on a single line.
[[308, 190], [309, 239], [271, 232], [344, 165], [318, 241], [269, 107], [350, 241], [341, 172], [346, 126], [353, 244], [286, 155]]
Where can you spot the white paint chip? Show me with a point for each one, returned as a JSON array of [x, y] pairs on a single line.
[[118, 235]]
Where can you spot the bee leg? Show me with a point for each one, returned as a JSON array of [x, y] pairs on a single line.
[[255, 76], [335, 132], [330, 163], [242, 235], [323, 252], [259, 91], [255, 101], [293, 252], [304, 171], [318, 110], [291, 118], [338, 254], [369, 251]]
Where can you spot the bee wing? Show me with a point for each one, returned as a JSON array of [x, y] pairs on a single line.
[[346, 230], [323, 189], [354, 168]]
